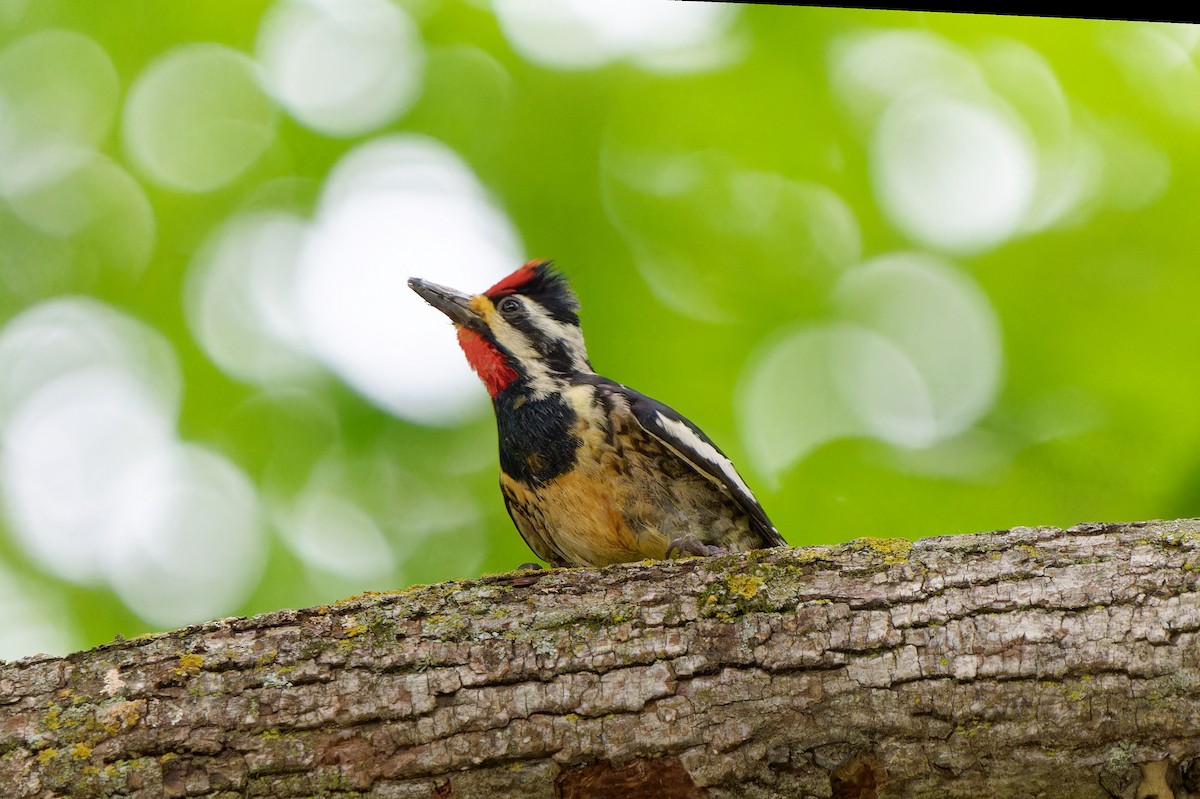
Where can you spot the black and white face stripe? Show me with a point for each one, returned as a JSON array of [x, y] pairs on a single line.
[[546, 347]]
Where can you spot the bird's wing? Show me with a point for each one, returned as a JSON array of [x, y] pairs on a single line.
[[698, 451]]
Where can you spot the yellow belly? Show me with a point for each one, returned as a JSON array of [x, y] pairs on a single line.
[[578, 520]]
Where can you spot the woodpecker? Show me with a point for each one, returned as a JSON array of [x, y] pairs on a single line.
[[592, 472]]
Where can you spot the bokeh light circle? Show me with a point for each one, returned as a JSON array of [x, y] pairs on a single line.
[[953, 174], [912, 358], [197, 117], [718, 242], [102, 207], [58, 95], [32, 618], [881, 386], [787, 402], [400, 207], [185, 540], [73, 334], [941, 321], [241, 297], [333, 535], [342, 67], [870, 70], [581, 34], [98, 488], [67, 449]]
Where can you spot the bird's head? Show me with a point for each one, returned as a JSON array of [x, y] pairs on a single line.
[[523, 329]]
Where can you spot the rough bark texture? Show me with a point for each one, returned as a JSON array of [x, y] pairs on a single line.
[[1031, 662]]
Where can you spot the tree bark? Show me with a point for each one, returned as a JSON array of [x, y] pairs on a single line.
[[1030, 662]]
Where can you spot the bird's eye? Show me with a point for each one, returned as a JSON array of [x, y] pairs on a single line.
[[510, 305]]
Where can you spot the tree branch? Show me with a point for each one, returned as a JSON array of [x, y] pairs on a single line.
[[1031, 662]]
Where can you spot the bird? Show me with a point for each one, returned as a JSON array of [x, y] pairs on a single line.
[[592, 472]]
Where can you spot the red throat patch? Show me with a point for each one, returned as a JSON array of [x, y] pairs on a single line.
[[487, 361]]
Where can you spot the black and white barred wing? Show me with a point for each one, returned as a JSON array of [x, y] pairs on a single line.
[[689, 442]]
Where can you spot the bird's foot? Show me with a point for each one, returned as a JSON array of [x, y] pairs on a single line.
[[526, 574], [690, 545]]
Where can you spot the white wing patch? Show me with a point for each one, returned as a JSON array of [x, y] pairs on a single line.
[[705, 450]]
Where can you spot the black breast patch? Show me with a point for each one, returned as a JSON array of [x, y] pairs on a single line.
[[536, 442]]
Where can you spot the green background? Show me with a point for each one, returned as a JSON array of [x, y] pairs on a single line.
[[1092, 415]]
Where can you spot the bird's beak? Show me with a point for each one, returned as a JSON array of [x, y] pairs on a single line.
[[452, 303]]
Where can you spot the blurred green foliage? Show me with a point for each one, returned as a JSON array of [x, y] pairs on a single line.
[[707, 216]]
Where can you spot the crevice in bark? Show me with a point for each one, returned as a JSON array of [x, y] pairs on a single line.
[[1028, 662]]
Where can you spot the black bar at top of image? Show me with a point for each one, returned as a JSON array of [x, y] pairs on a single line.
[[1145, 13]]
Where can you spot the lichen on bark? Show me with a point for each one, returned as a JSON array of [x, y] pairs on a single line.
[[1027, 662]]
